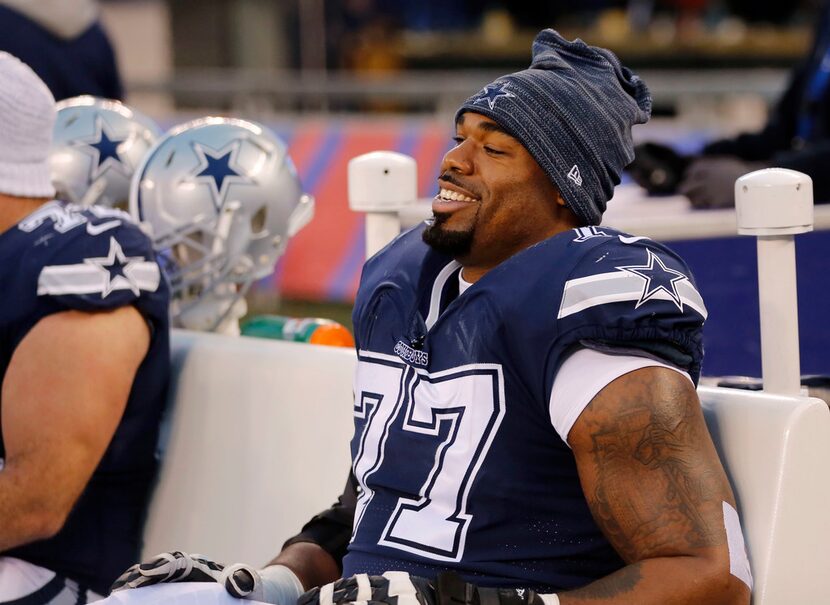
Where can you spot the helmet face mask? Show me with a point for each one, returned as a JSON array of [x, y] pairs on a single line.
[[220, 198], [97, 146]]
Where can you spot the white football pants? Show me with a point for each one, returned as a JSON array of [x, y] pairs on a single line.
[[22, 583]]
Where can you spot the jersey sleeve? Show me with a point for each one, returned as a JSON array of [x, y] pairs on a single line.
[[633, 294], [583, 375], [101, 266]]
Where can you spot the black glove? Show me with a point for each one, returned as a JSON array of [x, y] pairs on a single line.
[[709, 181], [239, 580], [399, 588], [657, 168]]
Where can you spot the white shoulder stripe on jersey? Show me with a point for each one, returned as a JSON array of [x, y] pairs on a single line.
[[84, 278], [619, 286]]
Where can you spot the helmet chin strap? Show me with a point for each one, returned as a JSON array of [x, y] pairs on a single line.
[[220, 312], [301, 215], [229, 324], [95, 191], [222, 305]]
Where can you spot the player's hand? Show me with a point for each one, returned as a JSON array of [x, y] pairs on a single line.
[[393, 587], [239, 580], [657, 168], [709, 182]]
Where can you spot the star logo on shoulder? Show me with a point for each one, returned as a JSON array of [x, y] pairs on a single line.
[[219, 169], [103, 147], [116, 267], [492, 93], [657, 277]]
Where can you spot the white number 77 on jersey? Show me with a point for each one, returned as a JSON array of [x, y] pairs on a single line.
[[433, 525]]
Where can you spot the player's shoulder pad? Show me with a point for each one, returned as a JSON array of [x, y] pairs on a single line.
[[96, 256], [627, 292], [400, 260], [626, 276], [403, 266], [409, 245]]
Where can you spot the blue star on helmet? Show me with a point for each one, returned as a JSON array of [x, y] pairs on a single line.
[[657, 278], [492, 93], [103, 147], [116, 268], [219, 170]]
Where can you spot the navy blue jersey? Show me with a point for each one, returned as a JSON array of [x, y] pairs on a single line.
[[458, 463], [83, 65], [63, 258]]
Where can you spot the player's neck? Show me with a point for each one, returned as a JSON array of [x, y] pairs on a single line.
[[13, 209], [474, 268]]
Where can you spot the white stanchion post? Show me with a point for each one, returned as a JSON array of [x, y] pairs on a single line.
[[380, 184], [775, 204]]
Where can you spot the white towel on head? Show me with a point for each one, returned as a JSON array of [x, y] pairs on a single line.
[[27, 118]]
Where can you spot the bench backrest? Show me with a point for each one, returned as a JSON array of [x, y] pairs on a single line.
[[775, 450], [256, 441]]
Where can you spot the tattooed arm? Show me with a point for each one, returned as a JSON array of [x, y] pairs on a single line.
[[656, 488]]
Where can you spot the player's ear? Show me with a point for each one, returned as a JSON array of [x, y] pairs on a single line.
[[563, 212]]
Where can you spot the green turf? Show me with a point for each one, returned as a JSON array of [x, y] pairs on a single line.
[[268, 305]]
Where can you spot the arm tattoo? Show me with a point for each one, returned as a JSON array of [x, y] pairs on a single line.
[[658, 485]]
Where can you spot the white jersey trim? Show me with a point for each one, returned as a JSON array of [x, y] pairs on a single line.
[[94, 275], [437, 290], [463, 284], [584, 374], [618, 286]]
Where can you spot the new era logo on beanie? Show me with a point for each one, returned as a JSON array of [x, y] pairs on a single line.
[[573, 110], [575, 176]]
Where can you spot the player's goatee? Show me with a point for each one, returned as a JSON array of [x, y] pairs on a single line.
[[447, 241]]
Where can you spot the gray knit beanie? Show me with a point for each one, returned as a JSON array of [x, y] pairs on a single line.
[[573, 110], [27, 117]]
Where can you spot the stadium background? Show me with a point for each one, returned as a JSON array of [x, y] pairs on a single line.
[[337, 78]]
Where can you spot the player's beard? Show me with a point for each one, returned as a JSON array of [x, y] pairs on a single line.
[[447, 241]]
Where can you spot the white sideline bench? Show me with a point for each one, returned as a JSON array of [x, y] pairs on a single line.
[[258, 442], [775, 450]]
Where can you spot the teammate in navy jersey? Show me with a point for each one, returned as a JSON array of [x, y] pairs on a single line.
[[527, 429], [796, 136], [84, 361]]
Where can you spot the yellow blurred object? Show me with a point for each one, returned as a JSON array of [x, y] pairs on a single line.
[[613, 25], [497, 27]]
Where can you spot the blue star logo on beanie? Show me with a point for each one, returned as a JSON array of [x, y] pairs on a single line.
[[492, 93]]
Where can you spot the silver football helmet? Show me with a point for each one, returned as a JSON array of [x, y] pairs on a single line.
[[97, 146], [220, 197]]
